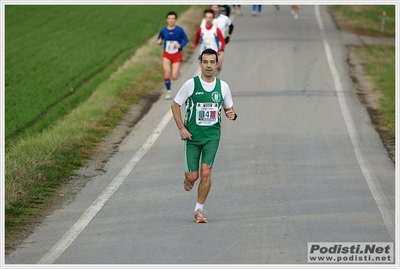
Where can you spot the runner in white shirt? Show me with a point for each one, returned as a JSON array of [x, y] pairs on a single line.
[[222, 22]]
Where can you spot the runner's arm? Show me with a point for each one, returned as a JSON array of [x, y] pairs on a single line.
[[197, 38], [160, 37], [176, 112], [230, 31], [221, 39], [184, 39], [228, 101], [228, 36]]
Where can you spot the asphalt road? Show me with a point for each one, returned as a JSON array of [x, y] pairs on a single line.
[[301, 164]]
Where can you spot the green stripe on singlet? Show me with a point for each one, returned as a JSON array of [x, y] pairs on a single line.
[[186, 162]]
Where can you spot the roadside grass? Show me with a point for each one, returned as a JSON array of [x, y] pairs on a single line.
[[368, 18], [38, 164], [380, 66], [56, 56], [379, 60]]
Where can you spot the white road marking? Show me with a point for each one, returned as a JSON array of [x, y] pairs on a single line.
[[373, 184], [97, 205]]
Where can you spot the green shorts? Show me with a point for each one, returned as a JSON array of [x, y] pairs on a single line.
[[193, 150]]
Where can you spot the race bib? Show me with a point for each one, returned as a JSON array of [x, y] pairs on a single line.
[[170, 47], [206, 114]]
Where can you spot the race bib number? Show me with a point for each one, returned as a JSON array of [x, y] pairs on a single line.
[[206, 114], [170, 47]]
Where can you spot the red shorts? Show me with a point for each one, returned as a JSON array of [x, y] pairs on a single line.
[[174, 58]]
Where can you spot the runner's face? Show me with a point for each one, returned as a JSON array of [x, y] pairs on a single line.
[[208, 65], [209, 18], [216, 10], [171, 20]]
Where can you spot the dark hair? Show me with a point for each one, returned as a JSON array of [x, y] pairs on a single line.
[[209, 52], [208, 10], [172, 13]]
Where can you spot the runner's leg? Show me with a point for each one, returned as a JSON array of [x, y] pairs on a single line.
[[220, 60], [167, 73], [175, 70], [192, 159], [205, 183], [209, 152]]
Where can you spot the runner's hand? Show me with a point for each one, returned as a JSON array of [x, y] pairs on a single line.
[[227, 40], [230, 113], [185, 134]]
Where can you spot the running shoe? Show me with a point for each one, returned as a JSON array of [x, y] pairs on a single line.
[[199, 216], [168, 96], [187, 185]]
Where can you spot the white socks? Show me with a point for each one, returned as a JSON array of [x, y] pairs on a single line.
[[199, 206]]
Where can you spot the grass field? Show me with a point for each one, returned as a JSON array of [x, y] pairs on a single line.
[[56, 56], [367, 19]]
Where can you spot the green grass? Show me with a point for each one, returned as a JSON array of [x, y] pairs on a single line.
[[380, 67], [368, 18], [56, 56]]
